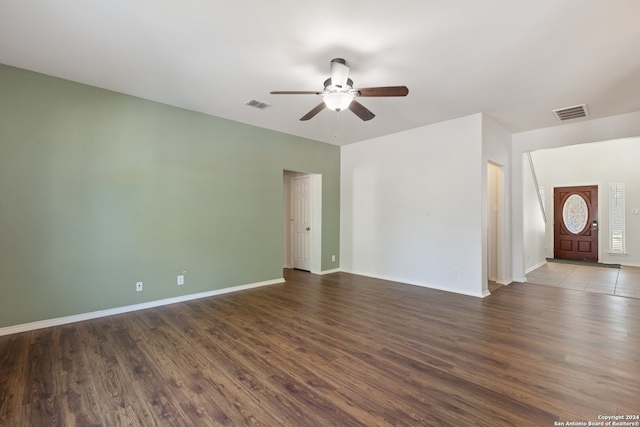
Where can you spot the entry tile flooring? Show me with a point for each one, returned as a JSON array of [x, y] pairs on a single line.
[[624, 281]]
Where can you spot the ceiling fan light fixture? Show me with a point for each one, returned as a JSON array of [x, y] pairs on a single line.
[[338, 101]]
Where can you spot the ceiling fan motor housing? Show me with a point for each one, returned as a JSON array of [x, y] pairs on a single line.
[[328, 86]]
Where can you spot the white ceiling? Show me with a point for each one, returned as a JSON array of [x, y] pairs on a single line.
[[514, 60]]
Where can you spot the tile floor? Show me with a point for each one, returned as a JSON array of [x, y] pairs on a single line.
[[624, 281]]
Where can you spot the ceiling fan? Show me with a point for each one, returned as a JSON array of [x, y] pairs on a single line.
[[339, 94]]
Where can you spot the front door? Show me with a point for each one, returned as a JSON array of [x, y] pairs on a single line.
[[576, 222], [301, 215]]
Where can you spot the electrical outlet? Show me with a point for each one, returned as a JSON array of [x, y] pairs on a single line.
[[333, 258], [138, 286], [181, 280], [456, 273]]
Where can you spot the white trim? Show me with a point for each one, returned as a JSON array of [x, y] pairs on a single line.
[[423, 285], [316, 221], [321, 273], [538, 265], [128, 308], [617, 216]]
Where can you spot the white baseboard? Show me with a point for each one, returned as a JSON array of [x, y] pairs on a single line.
[[126, 309], [320, 273], [538, 265], [423, 285]]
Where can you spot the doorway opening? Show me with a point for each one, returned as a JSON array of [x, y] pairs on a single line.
[[302, 221], [495, 226]]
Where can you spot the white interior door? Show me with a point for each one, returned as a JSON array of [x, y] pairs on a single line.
[[301, 219]]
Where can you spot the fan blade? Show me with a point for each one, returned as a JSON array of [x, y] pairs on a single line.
[[361, 111], [296, 92], [313, 112], [384, 91], [339, 72]]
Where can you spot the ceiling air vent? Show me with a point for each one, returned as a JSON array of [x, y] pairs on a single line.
[[257, 104], [574, 112]]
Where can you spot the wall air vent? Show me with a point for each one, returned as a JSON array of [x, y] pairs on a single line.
[[574, 112], [257, 104]]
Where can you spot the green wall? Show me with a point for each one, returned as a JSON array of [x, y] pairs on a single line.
[[99, 190]]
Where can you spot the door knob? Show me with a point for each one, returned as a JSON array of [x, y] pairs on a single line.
[[308, 228]]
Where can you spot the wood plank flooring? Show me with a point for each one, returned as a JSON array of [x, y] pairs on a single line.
[[340, 350]]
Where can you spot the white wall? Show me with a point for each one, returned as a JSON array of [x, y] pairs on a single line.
[[597, 130], [596, 164], [533, 220], [411, 207]]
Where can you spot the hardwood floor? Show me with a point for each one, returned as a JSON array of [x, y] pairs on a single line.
[[338, 350]]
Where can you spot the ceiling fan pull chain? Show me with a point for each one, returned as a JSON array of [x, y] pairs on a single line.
[[336, 133]]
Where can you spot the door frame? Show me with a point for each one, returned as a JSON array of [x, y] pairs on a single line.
[[316, 219], [492, 221], [498, 200]]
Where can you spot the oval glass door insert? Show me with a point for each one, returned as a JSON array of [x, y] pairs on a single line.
[[575, 213]]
